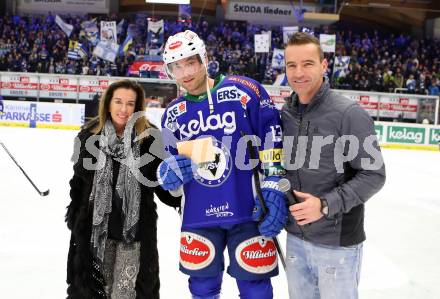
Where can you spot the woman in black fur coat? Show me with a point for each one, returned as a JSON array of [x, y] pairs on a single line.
[[112, 215]]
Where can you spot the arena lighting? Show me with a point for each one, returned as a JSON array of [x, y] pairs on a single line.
[[168, 1]]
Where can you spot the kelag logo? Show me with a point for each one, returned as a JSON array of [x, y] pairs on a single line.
[[406, 135], [434, 136]]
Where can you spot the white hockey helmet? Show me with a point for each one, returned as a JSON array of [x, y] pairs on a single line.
[[183, 45]]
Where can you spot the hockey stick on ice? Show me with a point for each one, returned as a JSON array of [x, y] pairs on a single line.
[[260, 197], [42, 193]]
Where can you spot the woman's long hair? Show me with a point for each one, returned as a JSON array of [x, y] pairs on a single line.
[[141, 123]]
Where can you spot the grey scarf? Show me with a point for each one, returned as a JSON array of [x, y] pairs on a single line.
[[127, 153]]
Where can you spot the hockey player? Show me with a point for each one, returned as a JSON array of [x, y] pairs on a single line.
[[219, 200]]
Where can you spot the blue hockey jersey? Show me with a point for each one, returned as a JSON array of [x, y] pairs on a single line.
[[222, 192]]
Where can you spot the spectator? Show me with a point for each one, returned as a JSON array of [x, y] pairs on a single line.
[[433, 88], [398, 79], [411, 84]]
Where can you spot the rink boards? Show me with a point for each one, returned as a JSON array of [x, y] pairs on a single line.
[[71, 117]]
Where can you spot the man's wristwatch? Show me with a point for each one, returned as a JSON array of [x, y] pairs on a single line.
[[324, 207]]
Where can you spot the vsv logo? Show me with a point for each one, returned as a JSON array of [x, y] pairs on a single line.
[[225, 121]]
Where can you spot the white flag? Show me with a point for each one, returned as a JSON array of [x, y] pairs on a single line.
[[67, 28], [108, 32], [267, 32], [106, 51], [262, 43], [278, 59], [328, 42], [287, 33], [155, 36]]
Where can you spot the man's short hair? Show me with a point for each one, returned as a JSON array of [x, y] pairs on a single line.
[[303, 38]]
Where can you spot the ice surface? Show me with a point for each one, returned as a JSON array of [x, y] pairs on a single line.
[[401, 254]]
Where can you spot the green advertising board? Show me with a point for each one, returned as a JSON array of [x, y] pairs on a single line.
[[434, 136], [410, 135], [379, 132]]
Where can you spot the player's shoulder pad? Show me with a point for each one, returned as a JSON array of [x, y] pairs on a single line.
[[175, 100], [173, 110]]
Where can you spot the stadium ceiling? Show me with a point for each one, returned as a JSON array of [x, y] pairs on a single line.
[[203, 7], [399, 5], [400, 15]]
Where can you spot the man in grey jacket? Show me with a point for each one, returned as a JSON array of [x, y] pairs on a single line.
[[334, 165]]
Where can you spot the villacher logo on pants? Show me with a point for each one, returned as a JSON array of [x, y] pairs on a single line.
[[196, 252]]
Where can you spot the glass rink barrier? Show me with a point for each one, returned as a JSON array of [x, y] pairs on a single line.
[[75, 88], [401, 107]]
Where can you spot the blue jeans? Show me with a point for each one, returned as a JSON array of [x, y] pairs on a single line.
[[321, 271]]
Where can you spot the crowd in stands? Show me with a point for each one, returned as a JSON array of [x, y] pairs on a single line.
[[377, 63], [387, 63], [37, 44]]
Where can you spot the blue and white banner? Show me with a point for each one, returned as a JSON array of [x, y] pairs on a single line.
[[278, 59], [91, 31], [76, 50], [106, 51], [340, 66], [108, 32], [67, 28], [155, 34], [82, 51], [72, 52], [88, 23]]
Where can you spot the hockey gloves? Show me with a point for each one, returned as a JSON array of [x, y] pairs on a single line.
[[175, 171], [273, 222]]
